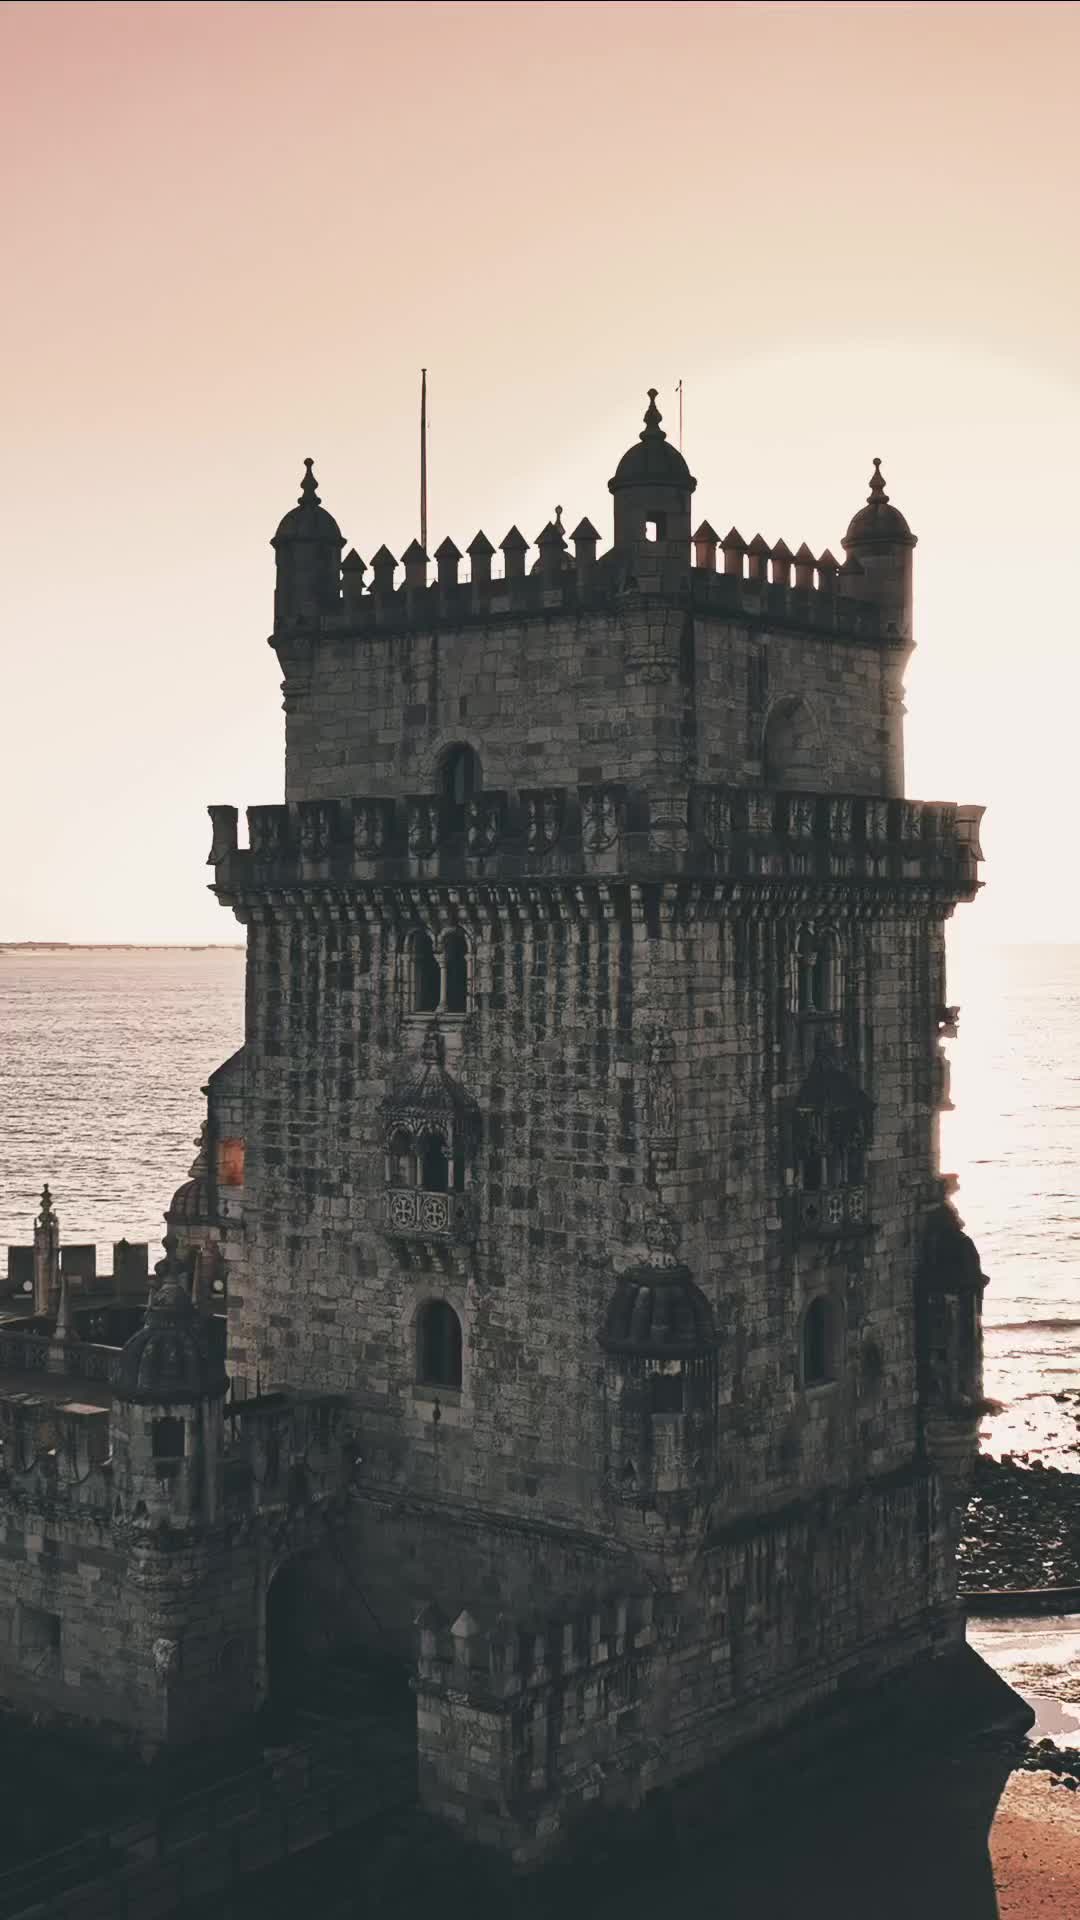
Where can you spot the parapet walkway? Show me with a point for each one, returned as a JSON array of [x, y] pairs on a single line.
[[209, 1841]]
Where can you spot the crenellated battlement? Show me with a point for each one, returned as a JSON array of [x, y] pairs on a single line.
[[757, 582], [737, 833], [506, 1659], [521, 1724]]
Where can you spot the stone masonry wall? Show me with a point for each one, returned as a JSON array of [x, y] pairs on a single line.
[[556, 1049], [371, 712]]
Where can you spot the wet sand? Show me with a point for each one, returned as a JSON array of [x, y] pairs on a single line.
[[1035, 1850]]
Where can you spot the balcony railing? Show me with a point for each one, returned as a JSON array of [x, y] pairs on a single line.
[[24, 1352], [415, 1212], [830, 1210]]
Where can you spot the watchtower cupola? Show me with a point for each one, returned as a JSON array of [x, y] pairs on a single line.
[[881, 543], [167, 1414], [651, 489], [308, 546]]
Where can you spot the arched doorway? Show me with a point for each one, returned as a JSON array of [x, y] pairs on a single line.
[[328, 1664], [301, 1630]]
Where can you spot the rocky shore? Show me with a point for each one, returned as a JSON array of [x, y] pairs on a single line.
[[1022, 1527]]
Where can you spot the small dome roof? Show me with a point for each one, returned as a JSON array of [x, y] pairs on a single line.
[[658, 1313], [168, 1360], [653, 461], [431, 1095], [309, 520], [879, 519]]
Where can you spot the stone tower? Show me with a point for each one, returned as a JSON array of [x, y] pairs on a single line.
[[591, 1077]]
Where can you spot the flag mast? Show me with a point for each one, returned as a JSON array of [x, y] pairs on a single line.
[[423, 458]]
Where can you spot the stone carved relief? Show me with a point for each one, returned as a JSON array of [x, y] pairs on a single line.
[[483, 824], [716, 816], [369, 826], [599, 819], [668, 830], [316, 830], [661, 1099], [268, 829], [544, 811], [877, 819], [840, 819], [424, 826], [653, 640], [759, 811], [166, 1659], [801, 809]]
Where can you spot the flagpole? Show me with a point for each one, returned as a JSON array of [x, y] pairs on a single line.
[[423, 458]]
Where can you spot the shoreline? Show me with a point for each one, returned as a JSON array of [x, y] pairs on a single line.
[[121, 946]]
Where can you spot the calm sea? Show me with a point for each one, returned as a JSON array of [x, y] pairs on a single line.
[[103, 1054]]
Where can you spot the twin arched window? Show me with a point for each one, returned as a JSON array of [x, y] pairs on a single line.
[[421, 1160], [438, 977], [438, 1346]]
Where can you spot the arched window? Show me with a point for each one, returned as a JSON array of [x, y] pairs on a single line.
[[434, 1166], [402, 1160], [817, 972], [791, 749], [438, 1345], [818, 1343], [455, 954], [425, 974], [460, 781]]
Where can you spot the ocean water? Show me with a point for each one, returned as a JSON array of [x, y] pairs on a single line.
[[103, 1053]]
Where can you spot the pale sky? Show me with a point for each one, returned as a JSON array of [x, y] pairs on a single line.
[[234, 233]]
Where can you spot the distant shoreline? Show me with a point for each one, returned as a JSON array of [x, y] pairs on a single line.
[[121, 946]]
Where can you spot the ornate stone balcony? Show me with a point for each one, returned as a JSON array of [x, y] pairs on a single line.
[[831, 1211], [415, 1213], [612, 829]]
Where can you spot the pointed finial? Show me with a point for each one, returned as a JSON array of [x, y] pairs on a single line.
[[653, 418], [48, 1217], [557, 522], [309, 487], [877, 495], [64, 1328]]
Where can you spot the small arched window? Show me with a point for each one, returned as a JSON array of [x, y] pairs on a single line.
[[438, 1345], [817, 972], [455, 973], [818, 1342], [434, 1166], [402, 1159], [460, 782], [425, 979]]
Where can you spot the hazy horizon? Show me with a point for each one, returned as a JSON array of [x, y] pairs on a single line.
[[236, 232]]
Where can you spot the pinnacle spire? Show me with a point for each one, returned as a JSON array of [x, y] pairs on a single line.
[[877, 495], [653, 417], [309, 487]]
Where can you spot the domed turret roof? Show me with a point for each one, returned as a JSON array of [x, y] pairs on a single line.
[[950, 1262], [657, 1311], [879, 519], [430, 1094], [653, 461], [309, 520], [168, 1360]]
